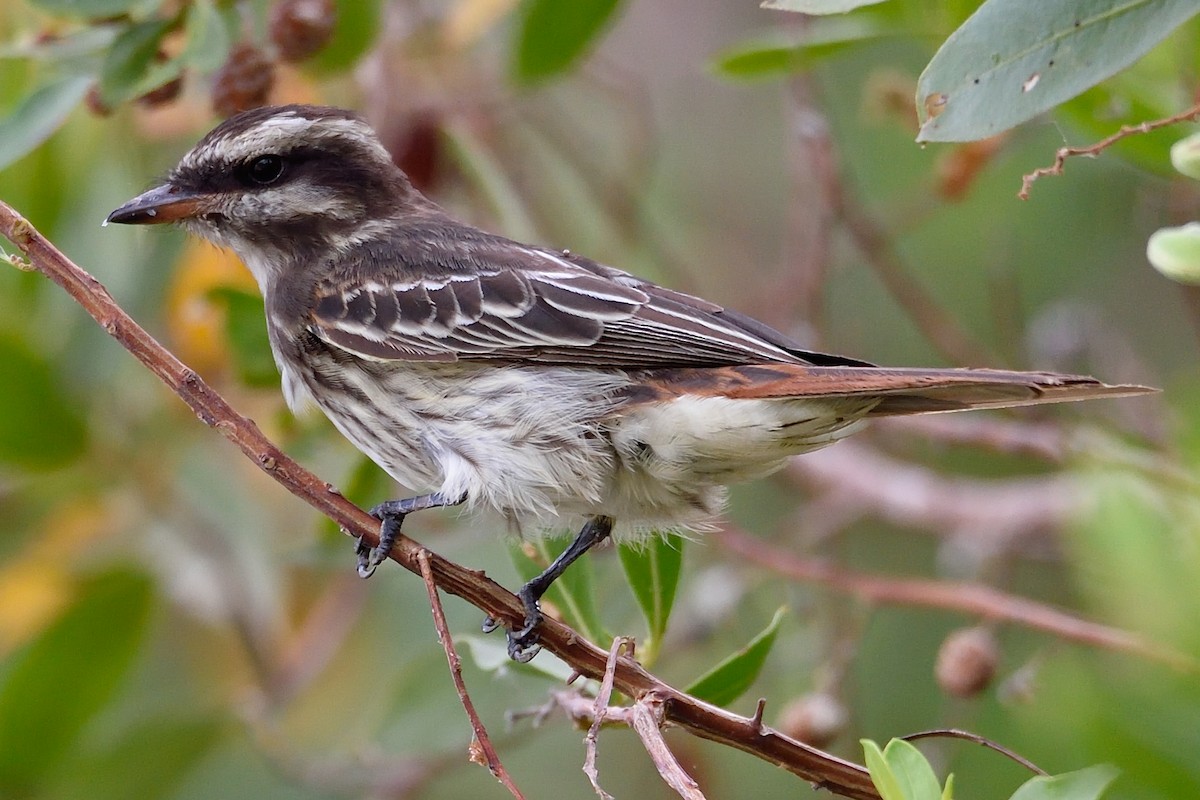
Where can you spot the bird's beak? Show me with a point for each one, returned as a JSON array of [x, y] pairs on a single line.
[[166, 203]]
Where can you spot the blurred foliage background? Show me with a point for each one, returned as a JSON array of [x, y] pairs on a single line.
[[173, 625]]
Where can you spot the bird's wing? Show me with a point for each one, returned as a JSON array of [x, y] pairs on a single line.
[[494, 299]]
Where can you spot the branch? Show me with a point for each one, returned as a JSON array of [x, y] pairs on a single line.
[[1093, 150], [481, 747], [678, 708], [967, 598]]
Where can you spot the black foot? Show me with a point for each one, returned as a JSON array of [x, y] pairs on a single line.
[[523, 642], [391, 516]]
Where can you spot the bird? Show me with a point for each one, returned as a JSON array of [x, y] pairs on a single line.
[[526, 380]]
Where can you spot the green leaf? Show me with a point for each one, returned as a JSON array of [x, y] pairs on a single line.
[[554, 34], [148, 762], [730, 679], [652, 570], [86, 8], [573, 593], [1013, 59], [901, 772], [67, 675], [127, 71], [358, 23], [881, 772], [39, 115], [39, 426], [818, 6], [1083, 784], [1175, 252], [912, 771], [823, 39], [247, 336], [209, 36]]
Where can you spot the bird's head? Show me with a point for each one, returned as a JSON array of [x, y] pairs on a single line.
[[279, 183]]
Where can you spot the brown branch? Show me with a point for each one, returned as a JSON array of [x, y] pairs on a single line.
[[678, 708], [966, 598], [1093, 150], [955, 733], [482, 750]]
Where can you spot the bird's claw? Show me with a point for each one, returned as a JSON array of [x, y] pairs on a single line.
[[522, 642], [368, 558]]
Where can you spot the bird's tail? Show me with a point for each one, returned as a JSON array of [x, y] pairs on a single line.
[[900, 391]]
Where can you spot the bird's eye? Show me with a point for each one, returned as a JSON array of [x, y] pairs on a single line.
[[264, 170]]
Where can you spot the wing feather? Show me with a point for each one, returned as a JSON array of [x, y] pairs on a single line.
[[495, 299]]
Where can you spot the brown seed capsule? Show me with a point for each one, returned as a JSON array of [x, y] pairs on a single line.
[[300, 28], [966, 662], [815, 719], [244, 81], [93, 102]]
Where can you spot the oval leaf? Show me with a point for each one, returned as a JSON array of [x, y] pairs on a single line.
[[1013, 59], [1083, 784], [911, 770], [652, 570], [554, 34], [39, 426], [67, 675], [357, 24], [39, 115], [730, 679], [126, 69], [881, 772]]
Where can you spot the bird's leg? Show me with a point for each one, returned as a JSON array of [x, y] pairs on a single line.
[[391, 516], [522, 644]]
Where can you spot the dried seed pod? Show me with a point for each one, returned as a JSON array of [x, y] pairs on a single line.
[[244, 81], [300, 28], [815, 719], [966, 662]]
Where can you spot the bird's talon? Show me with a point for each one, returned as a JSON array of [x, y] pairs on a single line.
[[489, 624]]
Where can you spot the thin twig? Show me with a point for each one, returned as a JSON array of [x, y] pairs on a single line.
[[699, 718], [482, 745], [599, 707], [966, 598], [955, 733], [1093, 150], [646, 719]]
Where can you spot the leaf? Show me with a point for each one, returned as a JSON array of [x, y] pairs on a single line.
[[127, 72], [818, 6], [39, 115], [573, 593], [823, 39], [881, 772], [730, 679], [358, 23], [209, 36], [652, 570], [39, 426], [148, 762], [247, 336], [491, 655], [1013, 59], [554, 34], [86, 8], [1083, 784], [67, 675], [901, 772]]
